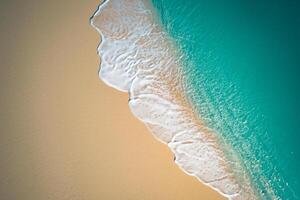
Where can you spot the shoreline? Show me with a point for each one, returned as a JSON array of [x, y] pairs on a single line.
[[200, 137]]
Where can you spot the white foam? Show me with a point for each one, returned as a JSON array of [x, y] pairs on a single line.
[[138, 57]]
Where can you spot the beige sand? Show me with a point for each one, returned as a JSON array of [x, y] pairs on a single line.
[[64, 134]]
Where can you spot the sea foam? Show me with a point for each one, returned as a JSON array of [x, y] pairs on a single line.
[[138, 57]]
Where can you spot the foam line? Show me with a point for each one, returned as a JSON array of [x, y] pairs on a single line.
[[138, 57]]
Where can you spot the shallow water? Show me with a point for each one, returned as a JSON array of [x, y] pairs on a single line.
[[216, 82], [242, 63]]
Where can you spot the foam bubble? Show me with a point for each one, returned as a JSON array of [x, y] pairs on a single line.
[[138, 57]]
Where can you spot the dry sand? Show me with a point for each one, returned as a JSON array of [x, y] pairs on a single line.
[[64, 133]]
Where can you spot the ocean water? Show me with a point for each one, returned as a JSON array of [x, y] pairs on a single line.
[[242, 63], [217, 81]]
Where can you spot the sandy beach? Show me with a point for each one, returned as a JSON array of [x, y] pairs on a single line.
[[65, 134]]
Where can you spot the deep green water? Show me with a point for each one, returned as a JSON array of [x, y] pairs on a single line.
[[242, 69]]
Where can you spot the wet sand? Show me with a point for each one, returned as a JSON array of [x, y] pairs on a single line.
[[65, 134]]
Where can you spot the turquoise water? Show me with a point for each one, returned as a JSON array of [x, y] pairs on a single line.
[[242, 61]]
